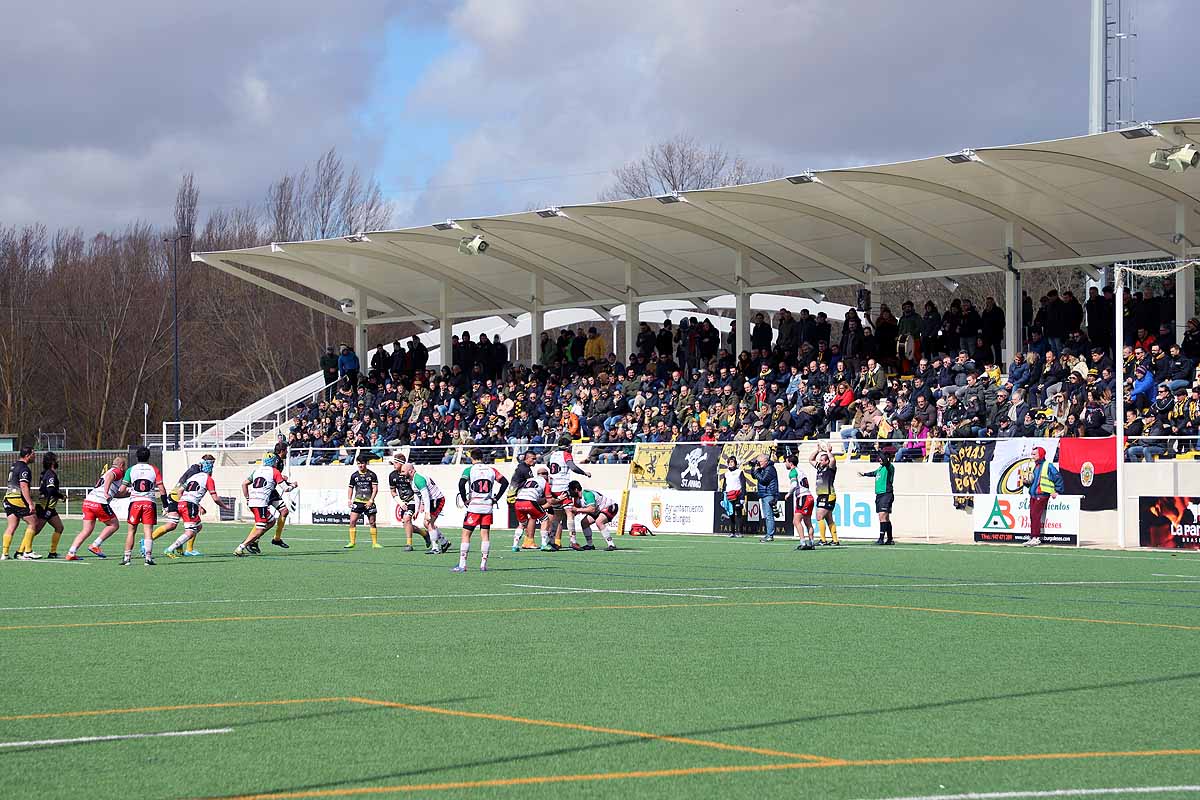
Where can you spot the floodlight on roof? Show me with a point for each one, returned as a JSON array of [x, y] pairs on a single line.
[[357, 237], [423, 326], [547, 213], [667, 199], [1183, 158], [1140, 132], [962, 157], [448, 225], [816, 295], [803, 177], [949, 284], [1158, 159]]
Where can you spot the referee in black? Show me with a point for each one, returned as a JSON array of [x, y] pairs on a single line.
[[885, 496]]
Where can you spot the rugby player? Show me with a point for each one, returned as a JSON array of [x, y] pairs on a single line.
[[401, 488], [195, 486], [142, 481], [732, 502], [257, 489], [562, 464], [802, 503], [595, 509], [276, 500], [521, 474], [364, 485], [430, 501], [96, 508], [529, 497], [884, 477], [18, 505], [46, 510], [171, 509], [477, 488], [823, 461]]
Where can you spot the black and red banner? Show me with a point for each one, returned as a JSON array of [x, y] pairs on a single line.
[[1171, 522], [1089, 469]]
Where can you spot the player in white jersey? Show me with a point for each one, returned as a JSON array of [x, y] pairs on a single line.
[[430, 501], [562, 463], [145, 483], [593, 508], [802, 503], [732, 481], [257, 490], [529, 505], [96, 508], [191, 493], [480, 488]]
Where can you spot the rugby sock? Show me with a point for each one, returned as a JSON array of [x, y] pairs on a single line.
[[54, 538], [886, 529], [279, 528], [191, 544], [27, 542], [518, 534], [833, 530], [374, 536], [408, 538], [463, 549], [181, 541], [485, 548], [425, 535], [587, 532], [8, 537], [128, 555], [353, 535], [161, 531], [823, 525]]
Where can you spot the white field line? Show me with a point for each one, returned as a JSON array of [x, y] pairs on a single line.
[[1058, 552], [655, 592], [83, 739], [669, 591], [1161, 575], [1125, 790]]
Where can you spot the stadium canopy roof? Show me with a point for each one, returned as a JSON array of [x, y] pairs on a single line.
[[1084, 201]]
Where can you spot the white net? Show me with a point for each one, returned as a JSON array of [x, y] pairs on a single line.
[[1154, 269]]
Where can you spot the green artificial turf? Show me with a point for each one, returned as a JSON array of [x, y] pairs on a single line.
[[849, 670]]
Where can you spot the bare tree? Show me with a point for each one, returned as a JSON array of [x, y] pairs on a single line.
[[362, 206], [286, 207], [22, 265], [682, 164], [187, 198], [323, 197]]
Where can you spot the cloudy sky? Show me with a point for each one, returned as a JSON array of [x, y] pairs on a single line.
[[465, 107]]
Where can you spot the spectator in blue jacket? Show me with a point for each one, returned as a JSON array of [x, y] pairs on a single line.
[[348, 366], [768, 491], [1143, 389]]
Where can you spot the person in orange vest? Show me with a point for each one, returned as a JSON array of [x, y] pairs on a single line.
[[1045, 483]]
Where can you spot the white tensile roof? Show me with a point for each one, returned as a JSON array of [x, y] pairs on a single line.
[[1087, 200]]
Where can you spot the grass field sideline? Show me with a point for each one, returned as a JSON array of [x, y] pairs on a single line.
[[675, 667]]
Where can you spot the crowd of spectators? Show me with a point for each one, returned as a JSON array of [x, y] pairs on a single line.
[[918, 379]]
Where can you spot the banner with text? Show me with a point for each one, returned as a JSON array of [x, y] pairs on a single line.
[[1002, 518], [670, 510], [1013, 462], [1172, 522]]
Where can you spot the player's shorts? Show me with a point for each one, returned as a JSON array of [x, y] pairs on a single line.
[[883, 502], [405, 508], [565, 501], [475, 519], [262, 516], [826, 501], [45, 513], [17, 508], [529, 510], [143, 512], [609, 511], [189, 513], [172, 510], [363, 508], [805, 508], [274, 498], [438, 505], [101, 512]]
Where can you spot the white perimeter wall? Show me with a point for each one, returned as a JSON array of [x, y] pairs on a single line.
[[924, 507]]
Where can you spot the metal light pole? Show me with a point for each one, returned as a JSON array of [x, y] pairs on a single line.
[[175, 314]]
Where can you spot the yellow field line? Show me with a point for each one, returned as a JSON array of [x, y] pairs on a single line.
[[555, 609], [589, 728], [675, 773], [151, 709]]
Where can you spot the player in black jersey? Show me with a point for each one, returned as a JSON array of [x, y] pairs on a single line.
[[364, 485], [826, 467], [18, 505], [46, 510], [276, 500], [407, 501]]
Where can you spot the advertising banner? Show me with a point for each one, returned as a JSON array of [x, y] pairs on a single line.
[[1000, 518], [752, 523], [1172, 522], [324, 507], [1013, 462], [970, 467], [670, 510]]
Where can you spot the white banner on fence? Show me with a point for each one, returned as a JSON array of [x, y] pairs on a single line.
[[670, 510], [855, 515], [1005, 518], [1014, 456]]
